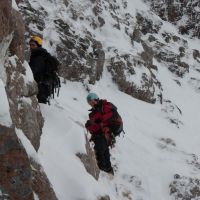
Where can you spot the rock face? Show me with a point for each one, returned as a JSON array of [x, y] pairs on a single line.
[[15, 170], [92, 63], [184, 13], [5, 18], [89, 160], [20, 91], [122, 68], [185, 188], [18, 180], [20, 177], [24, 108], [40, 183], [90, 164]]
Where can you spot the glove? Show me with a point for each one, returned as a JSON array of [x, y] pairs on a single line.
[[109, 137], [88, 123], [97, 121]]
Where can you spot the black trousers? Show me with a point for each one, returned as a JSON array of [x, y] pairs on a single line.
[[43, 93], [102, 152]]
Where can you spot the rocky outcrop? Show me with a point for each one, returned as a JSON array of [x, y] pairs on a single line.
[[40, 183], [78, 63], [15, 173], [104, 198], [159, 50], [15, 170], [184, 13], [89, 160], [18, 180], [184, 187], [24, 108], [20, 91], [5, 18], [124, 70], [20, 177], [147, 24], [90, 164]]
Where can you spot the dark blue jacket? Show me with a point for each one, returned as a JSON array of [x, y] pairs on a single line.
[[37, 63]]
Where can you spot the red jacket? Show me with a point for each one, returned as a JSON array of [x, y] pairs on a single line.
[[99, 117]]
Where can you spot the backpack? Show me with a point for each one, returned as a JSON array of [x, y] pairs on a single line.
[[52, 79], [116, 123]]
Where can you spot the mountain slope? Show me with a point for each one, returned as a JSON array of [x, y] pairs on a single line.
[[148, 156], [137, 55]]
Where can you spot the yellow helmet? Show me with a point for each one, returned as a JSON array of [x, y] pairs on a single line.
[[37, 39]]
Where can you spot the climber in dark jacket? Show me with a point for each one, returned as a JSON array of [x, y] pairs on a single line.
[[37, 64], [99, 125]]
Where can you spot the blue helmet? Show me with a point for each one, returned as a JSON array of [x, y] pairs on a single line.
[[92, 96]]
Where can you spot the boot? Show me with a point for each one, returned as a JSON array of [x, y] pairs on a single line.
[[109, 171]]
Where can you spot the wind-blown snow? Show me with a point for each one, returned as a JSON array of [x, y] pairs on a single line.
[[27, 145], [29, 75], [4, 107], [4, 44], [14, 5]]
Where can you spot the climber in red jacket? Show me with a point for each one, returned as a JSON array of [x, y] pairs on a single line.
[[104, 123]]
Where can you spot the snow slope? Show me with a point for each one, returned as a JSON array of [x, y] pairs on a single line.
[[145, 164]]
